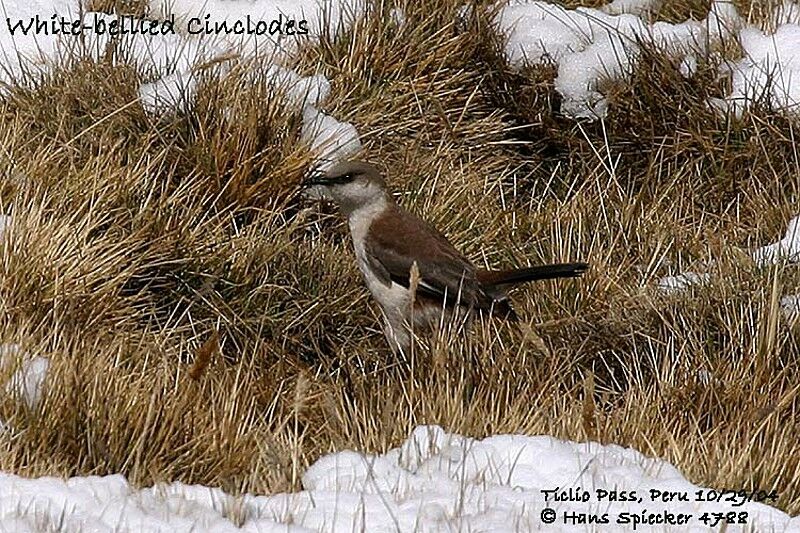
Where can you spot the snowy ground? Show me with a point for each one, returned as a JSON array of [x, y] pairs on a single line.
[[434, 482]]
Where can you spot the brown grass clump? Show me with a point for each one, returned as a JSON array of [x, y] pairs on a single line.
[[134, 239]]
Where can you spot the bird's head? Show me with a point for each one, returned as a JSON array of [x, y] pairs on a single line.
[[351, 184]]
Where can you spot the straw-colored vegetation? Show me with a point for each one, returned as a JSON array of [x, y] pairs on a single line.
[[137, 241]]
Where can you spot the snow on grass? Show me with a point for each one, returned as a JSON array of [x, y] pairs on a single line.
[[28, 379], [770, 68], [681, 282], [24, 48], [435, 481], [269, 27], [5, 224], [169, 93], [27, 54], [590, 45], [172, 60], [633, 7], [331, 139], [786, 249], [723, 21], [790, 307], [27, 382], [288, 23], [20, 52], [334, 140], [300, 91]]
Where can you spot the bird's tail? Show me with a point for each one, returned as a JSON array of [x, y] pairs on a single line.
[[499, 278]]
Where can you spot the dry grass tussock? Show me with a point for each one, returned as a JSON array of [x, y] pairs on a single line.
[[140, 245]]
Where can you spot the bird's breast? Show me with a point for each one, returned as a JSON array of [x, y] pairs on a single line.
[[392, 297]]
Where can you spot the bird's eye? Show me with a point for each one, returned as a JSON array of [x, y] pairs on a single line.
[[344, 178]]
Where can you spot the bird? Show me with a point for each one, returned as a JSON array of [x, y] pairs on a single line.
[[411, 269]]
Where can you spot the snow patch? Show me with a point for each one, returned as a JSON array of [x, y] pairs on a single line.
[[331, 139], [632, 7], [301, 91], [173, 60], [688, 66], [435, 481], [28, 380], [398, 16], [320, 16], [786, 249], [20, 53], [790, 307], [723, 20], [681, 282], [770, 69], [591, 45], [5, 224], [170, 93]]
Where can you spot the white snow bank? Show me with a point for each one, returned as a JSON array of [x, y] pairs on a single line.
[[434, 482], [590, 45]]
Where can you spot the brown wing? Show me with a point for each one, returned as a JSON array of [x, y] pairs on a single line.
[[397, 239]]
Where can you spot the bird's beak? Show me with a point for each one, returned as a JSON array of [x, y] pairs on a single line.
[[315, 177]]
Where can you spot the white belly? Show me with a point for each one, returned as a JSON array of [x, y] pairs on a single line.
[[393, 298]]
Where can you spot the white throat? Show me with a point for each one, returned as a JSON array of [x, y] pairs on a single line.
[[361, 218]]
